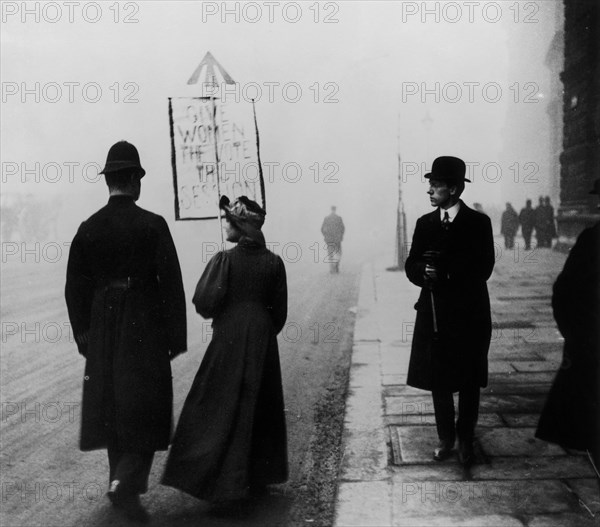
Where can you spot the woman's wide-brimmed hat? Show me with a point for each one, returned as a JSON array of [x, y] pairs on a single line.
[[122, 155], [245, 214]]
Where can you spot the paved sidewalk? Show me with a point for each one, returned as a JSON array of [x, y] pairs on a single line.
[[388, 476]]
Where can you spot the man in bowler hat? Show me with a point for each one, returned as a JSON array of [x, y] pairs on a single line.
[[126, 305], [451, 258]]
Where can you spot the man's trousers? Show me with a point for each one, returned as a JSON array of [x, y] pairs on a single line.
[[131, 469], [468, 412]]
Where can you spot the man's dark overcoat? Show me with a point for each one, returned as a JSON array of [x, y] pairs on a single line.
[[571, 414], [509, 223], [527, 221], [126, 333], [457, 357], [333, 228]]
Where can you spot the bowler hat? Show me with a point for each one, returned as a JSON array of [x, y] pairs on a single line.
[[122, 155], [596, 189], [448, 168]]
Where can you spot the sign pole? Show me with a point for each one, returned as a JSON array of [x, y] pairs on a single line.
[[214, 123], [260, 171]]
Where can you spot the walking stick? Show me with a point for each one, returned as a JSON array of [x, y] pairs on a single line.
[[435, 326]]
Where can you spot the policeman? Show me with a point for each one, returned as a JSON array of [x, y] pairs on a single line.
[[126, 305]]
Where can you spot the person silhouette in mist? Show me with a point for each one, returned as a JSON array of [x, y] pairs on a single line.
[[333, 232]]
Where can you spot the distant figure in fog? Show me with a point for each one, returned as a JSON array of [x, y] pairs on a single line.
[[550, 223], [540, 223], [126, 305], [231, 438], [509, 226], [451, 258], [545, 229], [333, 232], [571, 415], [527, 221]]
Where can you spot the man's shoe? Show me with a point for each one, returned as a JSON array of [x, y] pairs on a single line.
[[112, 493], [443, 451], [466, 455]]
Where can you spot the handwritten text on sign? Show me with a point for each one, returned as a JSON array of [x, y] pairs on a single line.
[[202, 172]]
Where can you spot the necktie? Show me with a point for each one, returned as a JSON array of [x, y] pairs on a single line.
[[446, 221]]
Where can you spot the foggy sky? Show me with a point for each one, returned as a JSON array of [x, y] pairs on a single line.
[[366, 64]]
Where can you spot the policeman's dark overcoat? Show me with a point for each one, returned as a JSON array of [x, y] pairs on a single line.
[[457, 356], [126, 328]]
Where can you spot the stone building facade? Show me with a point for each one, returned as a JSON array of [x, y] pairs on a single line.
[[580, 158]]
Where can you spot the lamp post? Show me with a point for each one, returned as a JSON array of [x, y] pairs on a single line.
[[400, 216]]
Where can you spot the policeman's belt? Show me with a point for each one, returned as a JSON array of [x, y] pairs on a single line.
[[130, 282]]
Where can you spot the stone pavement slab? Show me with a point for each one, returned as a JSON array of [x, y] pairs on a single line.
[[542, 365], [501, 366], [588, 492], [366, 455], [364, 504], [417, 419], [499, 384], [428, 472], [478, 498], [519, 419], [489, 520], [567, 519], [523, 379], [531, 468], [516, 442], [391, 380], [414, 443]]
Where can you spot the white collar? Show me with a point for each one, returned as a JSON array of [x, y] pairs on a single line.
[[452, 211]]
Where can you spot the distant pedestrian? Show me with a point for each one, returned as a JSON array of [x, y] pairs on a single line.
[[509, 226], [527, 221], [571, 415], [451, 258], [126, 305], [550, 221], [540, 223], [231, 439], [333, 232]]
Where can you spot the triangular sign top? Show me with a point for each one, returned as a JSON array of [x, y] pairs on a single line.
[[210, 64]]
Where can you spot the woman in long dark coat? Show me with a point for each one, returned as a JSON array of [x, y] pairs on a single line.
[[570, 416], [231, 437]]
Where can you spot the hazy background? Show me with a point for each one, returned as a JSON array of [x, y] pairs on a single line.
[[372, 55]]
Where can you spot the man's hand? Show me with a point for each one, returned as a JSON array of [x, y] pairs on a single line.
[[434, 266], [431, 273], [432, 257]]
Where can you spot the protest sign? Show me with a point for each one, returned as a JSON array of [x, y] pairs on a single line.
[[214, 152]]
